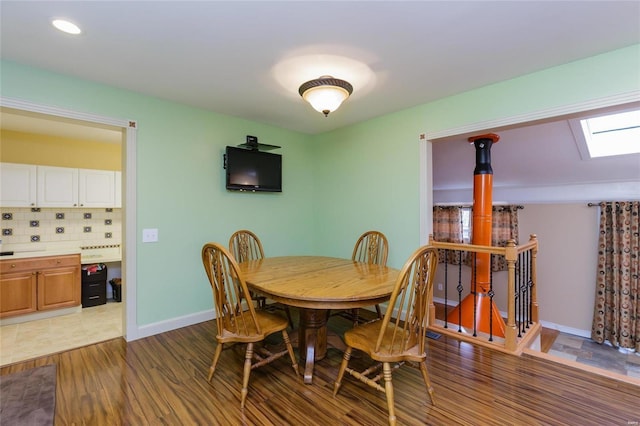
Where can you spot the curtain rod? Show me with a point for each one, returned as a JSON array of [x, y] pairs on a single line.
[[519, 207], [598, 204]]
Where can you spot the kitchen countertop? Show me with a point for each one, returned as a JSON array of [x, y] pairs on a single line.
[[99, 254], [38, 253]]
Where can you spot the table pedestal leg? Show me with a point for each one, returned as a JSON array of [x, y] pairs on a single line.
[[312, 337]]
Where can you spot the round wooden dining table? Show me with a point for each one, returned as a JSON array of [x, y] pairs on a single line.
[[316, 284]]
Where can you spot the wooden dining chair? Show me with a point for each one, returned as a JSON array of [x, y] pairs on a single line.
[[372, 247], [237, 320], [399, 340], [245, 245]]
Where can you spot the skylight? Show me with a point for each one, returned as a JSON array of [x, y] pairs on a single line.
[[616, 134]]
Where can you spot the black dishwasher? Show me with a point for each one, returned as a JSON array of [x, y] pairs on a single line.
[[94, 284]]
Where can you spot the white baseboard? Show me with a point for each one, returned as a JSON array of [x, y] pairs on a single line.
[[441, 301], [565, 329], [174, 323]]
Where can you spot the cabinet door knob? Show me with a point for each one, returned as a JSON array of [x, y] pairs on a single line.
[[58, 261], [13, 265]]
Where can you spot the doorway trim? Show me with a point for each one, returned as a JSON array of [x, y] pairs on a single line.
[[426, 157], [129, 230]]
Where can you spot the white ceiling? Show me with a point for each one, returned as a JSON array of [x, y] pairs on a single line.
[[241, 58], [247, 59], [540, 154]]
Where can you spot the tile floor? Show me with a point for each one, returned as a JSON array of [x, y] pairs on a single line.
[[19, 342], [586, 351]]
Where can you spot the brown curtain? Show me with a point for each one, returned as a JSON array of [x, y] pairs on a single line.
[[616, 316], [504, 227], [447, 228]]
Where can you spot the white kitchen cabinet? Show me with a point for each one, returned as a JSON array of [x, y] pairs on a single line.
[[26, 185], [118, 179], [96, 188], [57, 187], [17, 185]]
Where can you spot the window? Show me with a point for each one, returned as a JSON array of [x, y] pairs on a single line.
[[607, 135], [466, 224]]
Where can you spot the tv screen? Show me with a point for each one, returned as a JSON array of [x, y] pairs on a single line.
[[253, 170]]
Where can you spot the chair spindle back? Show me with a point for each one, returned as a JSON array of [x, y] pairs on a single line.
[[371, 247], [245, 245], [408, 310], [234, 311]]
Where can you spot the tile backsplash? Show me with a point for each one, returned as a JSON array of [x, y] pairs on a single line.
[[61, 225]]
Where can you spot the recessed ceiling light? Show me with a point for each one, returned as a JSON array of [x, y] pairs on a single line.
[[66, 26]]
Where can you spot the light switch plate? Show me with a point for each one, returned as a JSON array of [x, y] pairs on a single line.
[[150, 235]]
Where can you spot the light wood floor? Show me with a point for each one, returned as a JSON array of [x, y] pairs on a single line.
[[162, 380]]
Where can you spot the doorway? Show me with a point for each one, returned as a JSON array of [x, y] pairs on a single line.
[[128, 132], [555, 208]]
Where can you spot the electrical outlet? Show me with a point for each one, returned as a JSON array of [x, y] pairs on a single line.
[[150, 235], [440, 288]]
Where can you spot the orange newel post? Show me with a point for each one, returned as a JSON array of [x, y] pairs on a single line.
[[478, 302]]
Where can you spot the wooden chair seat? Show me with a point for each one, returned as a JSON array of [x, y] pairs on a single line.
[[364, 338], [268, 322]]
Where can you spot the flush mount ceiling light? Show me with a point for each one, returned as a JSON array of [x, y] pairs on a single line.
[[325, 94], [66, 26]]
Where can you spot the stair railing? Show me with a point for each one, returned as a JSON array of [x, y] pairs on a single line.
[[521, 325]]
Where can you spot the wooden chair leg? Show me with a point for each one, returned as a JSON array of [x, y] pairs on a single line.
[[388, 390], [355, 313], [379, 311], [287, 342], [262, 302], [247, 371], [288, 312], [427, 382], [343, 367], [216, 356]]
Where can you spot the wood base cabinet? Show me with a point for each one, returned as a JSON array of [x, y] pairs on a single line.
[[18, 293], [39, 284]]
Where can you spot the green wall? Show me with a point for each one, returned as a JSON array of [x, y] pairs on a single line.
[[336, 185], [368, 174], [180, 185], [600, 76], [367, 178]]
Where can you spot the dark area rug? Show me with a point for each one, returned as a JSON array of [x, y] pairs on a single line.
[[28, 397]]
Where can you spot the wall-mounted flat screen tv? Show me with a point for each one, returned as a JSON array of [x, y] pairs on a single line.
[[253, 170]]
